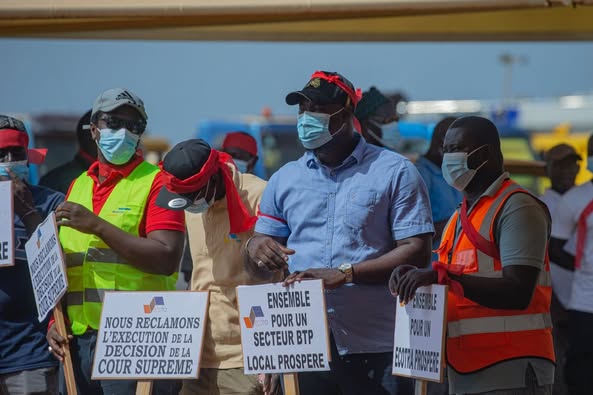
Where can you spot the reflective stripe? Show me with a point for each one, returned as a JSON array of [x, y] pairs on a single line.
[[91, 295], [544, 279], [74, 298], [103, 255], [74, 259], [515, 323]]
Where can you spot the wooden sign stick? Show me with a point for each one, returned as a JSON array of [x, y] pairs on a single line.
[[421, 387], [144, 387], [68, 368], [291, 384]]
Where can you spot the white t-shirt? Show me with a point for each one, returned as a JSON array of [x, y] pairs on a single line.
[[561, 277], [564, 226]]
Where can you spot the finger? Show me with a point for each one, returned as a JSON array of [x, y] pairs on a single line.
[[402, 288], [298, 277], [290, 278], [278, 250], [65, 222], [286, 250], [278, 261]]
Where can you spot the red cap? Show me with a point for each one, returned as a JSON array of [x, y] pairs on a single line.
[[18, 138], [240, 140]]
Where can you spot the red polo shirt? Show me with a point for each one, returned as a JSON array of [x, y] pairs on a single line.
[[155, 218]]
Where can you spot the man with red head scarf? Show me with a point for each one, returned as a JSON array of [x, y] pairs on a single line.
[[243, 148], [26, 367], [220, 206]]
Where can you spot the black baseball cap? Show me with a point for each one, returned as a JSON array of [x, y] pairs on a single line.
[[184, 161], [326, 87]]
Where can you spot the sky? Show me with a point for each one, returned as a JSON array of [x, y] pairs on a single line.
[[183, 82]]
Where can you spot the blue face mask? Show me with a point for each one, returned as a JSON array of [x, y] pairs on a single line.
[[117, 146], [241, 165], [313, 128], [390, 133], [201, 205], [19, 168]]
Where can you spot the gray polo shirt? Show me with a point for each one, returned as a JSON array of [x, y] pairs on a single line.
[[521, 233]]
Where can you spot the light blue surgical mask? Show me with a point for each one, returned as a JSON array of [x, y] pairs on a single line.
[[19, 168], [313, 128], [455, 169], [590, 163], [117, 146], [241, 165], [390, 133], [201, 205]]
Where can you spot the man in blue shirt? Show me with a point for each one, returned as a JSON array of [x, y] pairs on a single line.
[[26, 365], [348, 213], [444, 199]]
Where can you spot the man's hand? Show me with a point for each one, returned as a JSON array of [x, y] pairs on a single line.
[[57, 342], [268, 253], [23, 199], [332, 278], [271, 384], [396, 275], [412, 280], [78, 217]]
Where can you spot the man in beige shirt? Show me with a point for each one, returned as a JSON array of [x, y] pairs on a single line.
[[220, 205]]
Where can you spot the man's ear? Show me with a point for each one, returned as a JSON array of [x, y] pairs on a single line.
[[94, 132]]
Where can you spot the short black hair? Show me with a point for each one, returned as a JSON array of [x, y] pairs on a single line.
[[482, 130]]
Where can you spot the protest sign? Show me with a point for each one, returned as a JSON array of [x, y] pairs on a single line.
[[419, 335], [46, 266], [150, 335], [7, 229], [283, 329]]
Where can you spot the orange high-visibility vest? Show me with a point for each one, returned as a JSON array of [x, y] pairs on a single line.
[[477, 336]]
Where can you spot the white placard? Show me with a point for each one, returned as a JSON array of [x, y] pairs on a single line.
[[150, 335], [7, 221], [418, 349], [283, 329], [46, 266]]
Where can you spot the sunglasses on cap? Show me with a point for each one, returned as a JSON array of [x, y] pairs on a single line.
[[136, 127]]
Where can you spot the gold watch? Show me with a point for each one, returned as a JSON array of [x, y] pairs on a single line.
[[346, 268]]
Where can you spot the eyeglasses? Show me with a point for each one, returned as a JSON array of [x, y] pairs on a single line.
[[136, 127], [13, 154]]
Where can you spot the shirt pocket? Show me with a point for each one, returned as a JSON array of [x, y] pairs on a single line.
[[360, 207]]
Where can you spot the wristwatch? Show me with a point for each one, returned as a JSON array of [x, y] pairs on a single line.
[[346, 268]]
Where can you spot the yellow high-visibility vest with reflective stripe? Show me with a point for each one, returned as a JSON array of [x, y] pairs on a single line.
[[92, 266]]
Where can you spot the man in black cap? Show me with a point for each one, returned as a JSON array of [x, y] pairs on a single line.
[[347, 213], [378, 119], [61, 177], [220, 205]]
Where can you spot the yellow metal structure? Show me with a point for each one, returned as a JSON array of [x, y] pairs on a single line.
[[300, 20]]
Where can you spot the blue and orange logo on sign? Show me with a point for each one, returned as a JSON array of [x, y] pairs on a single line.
[[255, 313], [158, 303]]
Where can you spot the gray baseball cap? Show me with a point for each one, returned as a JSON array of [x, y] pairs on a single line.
[[117, 97]]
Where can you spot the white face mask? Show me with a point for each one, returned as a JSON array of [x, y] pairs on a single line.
[[390, 133], [455, 169], [201, 205], [241, 165]]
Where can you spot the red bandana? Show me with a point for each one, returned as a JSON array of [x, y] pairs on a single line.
[[239, 218]]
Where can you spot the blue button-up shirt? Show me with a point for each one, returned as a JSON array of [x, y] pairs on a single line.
[[350, 213]]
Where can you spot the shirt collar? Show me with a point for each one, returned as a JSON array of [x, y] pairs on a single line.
[[108, 170], [495, 186], [357, 155]]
